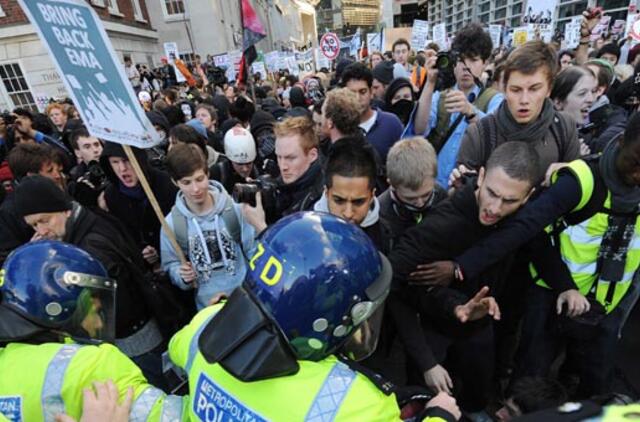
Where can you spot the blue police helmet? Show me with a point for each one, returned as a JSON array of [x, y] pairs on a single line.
[[319, 278], [53, 286]]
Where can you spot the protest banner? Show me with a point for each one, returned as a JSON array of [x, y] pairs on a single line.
[[90, 70], [330, 45], [520, 35], [221, 60], [602, 28], [419, 34], [271, 61], [633, 26], [95, 79], [304, 60], [374, 42], [495, 32], [259, 67], [171, 51], [321, 60], [572, 33], [540, 12], [440, 36], [235, 57], [618, 26]]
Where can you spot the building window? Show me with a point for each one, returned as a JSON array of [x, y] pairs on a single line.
[[16, 86], [174, 7], [499, 14], [188, 58], [2, 14], [484, 7], [516, 8], [484, 18], [137, 10], [613, 4], [113, 7], [500, 3], [515, 22], [99, 3]]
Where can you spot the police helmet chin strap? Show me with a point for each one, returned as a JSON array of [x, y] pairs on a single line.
[[245, 342]]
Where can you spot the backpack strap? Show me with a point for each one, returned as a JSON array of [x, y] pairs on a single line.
[[442, 124], [488, 131], [560, 135], [180, 229], [230, 219], [485, 97], [229, 216]]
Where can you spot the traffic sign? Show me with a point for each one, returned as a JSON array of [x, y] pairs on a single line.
[[330, 45]]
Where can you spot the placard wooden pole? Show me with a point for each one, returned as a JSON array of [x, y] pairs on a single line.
[[154, 202]]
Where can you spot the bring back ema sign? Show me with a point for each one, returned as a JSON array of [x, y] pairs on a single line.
[[91, 71]]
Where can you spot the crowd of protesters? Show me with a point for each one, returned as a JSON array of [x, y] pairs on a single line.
[[504, 188]]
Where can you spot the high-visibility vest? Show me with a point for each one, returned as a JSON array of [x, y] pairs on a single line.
[[579, 243], [37, 382], [319, 391]]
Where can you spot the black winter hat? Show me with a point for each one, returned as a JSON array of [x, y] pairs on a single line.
[[296, 97], [383, 72], [261, 120], [394, 87], [159, 119], [36, 194]]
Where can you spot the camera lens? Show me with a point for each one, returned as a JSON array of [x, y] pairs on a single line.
[[245, 193]]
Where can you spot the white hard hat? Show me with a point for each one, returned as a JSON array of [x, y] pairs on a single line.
[[239, 145], [144, 96]]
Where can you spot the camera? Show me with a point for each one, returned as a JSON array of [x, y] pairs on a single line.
[[8, 118], [245, 193], [445, 63], [96, 176]]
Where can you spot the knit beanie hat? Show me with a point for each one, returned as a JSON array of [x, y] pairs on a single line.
[[383, 72], [261, 120], [37, 194]]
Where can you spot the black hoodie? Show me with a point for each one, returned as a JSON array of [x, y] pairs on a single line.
[[131, 206]]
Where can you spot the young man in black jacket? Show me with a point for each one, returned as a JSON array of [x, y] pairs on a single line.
[[503, 186], [411, 173], [126, 200], [53, 216]]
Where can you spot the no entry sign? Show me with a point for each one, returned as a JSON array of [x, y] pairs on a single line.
[[330, 45]]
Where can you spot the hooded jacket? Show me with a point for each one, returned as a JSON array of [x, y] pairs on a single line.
[[372, 225], [216, 258], [131, 206]]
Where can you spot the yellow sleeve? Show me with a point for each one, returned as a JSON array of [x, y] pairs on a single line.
[[99, 363], [180, 343]]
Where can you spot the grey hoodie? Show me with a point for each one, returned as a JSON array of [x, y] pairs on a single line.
[[216, 258]]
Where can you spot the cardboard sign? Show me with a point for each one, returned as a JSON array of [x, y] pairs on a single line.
[[495, 31], [520, 35], [90, 70], [258, 67], [374, 42], [271, 60], [572, 32], [330, 45], [633, 26], [171, 51], [540, 12], [221, 60], [440, 36], [601, 29], [419, 34]]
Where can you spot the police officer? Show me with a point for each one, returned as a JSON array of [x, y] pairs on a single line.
[[276, 350], [55, 297]]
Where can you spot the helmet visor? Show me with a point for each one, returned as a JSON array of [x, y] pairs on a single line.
[[364, 340], [95, 306]]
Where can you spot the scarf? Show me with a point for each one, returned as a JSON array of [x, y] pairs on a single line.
[[529, 132], [624, 198], [135, 192], [612, 255]]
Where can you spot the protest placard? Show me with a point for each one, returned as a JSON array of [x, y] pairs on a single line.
[[520, 35], [572, 32], [633, 26], [495, 32], [171, 51], [90, 70], [440, 36], [258, 67], [221, 60], [374, 42], [271, 61], [601, 29], [540, 12], [419, 34]]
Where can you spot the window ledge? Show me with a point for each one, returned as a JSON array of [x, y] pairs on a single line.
[[174, 18], [116, 13], [140, 19]]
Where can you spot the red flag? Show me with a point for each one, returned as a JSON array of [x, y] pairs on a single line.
[[252, 32]]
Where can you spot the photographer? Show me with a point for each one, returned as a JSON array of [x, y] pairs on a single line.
[[443, 113], [240, 149], [87, 179]]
